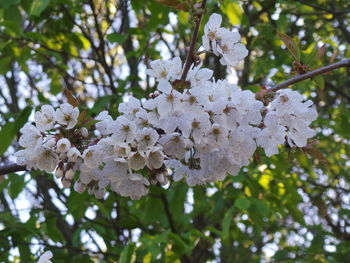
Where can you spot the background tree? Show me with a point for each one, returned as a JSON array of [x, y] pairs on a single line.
[[292, 207]]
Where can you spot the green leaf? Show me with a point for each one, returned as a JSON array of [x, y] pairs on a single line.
[[126, 254], [233, 11], [16, 185], [38, 6], [10, 129], [6, 3], [179, 244], [101, 104], [291, 45], [261, 207], [242, 203], [319, 80], [226, 223], [117, 38]]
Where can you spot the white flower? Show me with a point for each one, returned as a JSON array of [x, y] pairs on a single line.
[[153, 114], [63, 145], [45, 119], [45, 258], [73, 154], [154, 158], [136, 160], [105, 120], [25, 157], [168, 102], [99, 192], [211, 32], [217, 135], [46, 159], [164, 71], [179, 170], [67, 115], [121, 150], [272, 135], [123, 130], [174, 145], [176, 119], [91, 157], [130, 107], [79, 187], [200, 125], [31, 136], [198, 76], [232, 52], [135, 186], [146, 138]]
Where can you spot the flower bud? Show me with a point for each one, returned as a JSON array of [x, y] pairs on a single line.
[[79, 187], [69, 174], [63, 145], [66, 183], [59, 173], [84, 132]]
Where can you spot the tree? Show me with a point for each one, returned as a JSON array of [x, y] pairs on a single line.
[[290, 207]]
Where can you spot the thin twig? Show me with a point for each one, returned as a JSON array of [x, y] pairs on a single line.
[[190, 54], [341, 64], [11, 168]]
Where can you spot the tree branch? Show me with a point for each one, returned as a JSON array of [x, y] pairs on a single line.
[[11, 168], [189, 58], [341, 64]]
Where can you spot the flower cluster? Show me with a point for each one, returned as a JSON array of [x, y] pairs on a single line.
[[223, 42], [46, 146], [199, 130]]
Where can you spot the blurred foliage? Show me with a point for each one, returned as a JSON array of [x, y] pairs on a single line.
[[291, 207]]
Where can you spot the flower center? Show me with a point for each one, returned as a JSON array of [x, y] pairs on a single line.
[[195, 125], [164, 74], [216, 131], [224, 48], [284, 98], [211, 35], [67, 118]]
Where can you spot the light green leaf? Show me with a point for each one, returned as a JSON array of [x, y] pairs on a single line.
[[242, 203], [16, 185], [319, 80], [10, 129], [117, 38], [226, 223], [126, 255], [233, 11], [38, 6]]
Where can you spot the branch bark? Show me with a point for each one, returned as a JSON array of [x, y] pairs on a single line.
[[11, 168], [190, 54], [341, 64]]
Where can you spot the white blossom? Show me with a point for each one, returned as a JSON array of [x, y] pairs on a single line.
[[67, 115], [45, 258], [45, 118], [63, 145]]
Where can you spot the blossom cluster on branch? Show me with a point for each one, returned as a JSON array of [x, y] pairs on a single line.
[[199, 129]]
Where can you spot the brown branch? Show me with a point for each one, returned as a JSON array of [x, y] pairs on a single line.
[[190, 54], [11, 168], [341, 64], [325, 9]]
